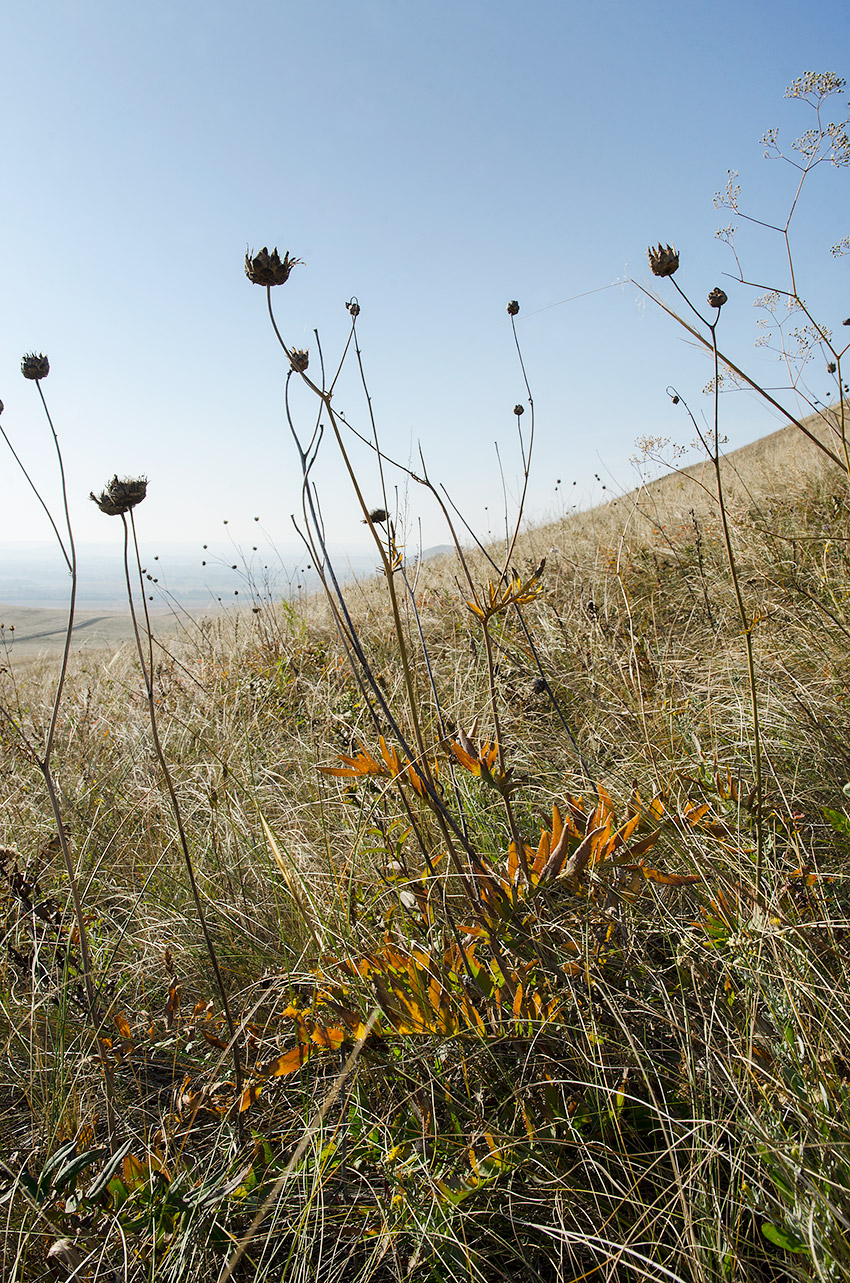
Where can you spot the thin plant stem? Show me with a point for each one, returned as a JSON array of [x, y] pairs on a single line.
[[146, 663]]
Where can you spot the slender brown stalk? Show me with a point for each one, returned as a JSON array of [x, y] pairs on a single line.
[[146, 663]]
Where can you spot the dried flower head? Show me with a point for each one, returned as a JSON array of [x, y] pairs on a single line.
[[847, 322], [35, 366], [353, 307], [663, 259], [717, 297], [513, 307], [120, 496], [518, 410], [299, 360], [377, 517], [269, 269], [831, 367], [2, 407]]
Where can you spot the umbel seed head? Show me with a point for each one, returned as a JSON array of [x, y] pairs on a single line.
[[120, 496], [35, 366], [269, 269], [717, 297], [299, 360], [513, 307], [663, 259]]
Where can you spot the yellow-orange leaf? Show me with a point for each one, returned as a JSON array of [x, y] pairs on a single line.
[[249, 1096], [669, 879], [287, 1063], [328, 1036]]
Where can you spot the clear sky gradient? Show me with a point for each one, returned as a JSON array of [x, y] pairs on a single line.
[[433, 159]]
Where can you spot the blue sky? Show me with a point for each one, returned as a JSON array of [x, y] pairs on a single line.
[[435, 160]]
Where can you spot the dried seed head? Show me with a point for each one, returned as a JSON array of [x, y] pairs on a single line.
[[675, 399], [2, 407], [120, 496], [663, 259], [831, 367], [35, 366], [299, 360], [847, 322], [353, 307], [513, 307], [377, 517], [518, 410], [269, 269], [717, 297]]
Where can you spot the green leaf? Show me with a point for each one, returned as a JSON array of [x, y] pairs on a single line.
[[786, 1239], [77, 1164], [838, 820], [101, 1181]]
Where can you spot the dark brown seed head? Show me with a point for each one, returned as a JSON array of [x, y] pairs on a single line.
[[269, 269], [377, 516], [35, 366], [717, 297], [120, 496], [663, 259], [518, 410], [299, 360], [831, 367], [1, 407], [513, 307], [353, 307]]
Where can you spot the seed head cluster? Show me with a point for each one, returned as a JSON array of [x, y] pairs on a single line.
[[269, 268], [663, 259], [35, 365], [120, 495]]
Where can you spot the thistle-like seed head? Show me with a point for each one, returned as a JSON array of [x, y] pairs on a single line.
[[663, 259], [377, 517], [269, 269], [119, 496], [717, 297], [35, 366], [518, 410], [299, 359], [513, 307]]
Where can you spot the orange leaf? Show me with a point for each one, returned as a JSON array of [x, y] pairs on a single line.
[[287, 1063], [668, 879], [328, 1036], [249, 1096], [122, 1025], [362, 764]]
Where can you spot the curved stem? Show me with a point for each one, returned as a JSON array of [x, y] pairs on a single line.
[[147, 674]]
